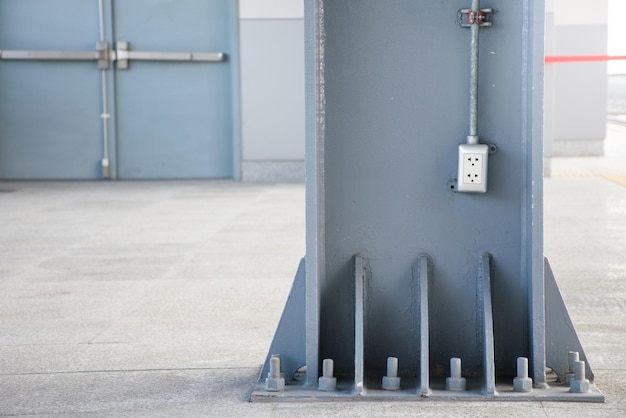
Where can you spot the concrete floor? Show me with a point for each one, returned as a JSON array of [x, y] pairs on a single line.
[[161, 298]]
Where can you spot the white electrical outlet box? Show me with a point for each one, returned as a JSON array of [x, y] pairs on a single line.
[[473, 160]]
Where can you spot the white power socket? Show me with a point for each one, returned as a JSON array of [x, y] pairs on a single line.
[[473, 160]]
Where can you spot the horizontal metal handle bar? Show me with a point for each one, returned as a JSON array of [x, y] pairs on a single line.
[[51, 55], [112, 56], [170, 56]]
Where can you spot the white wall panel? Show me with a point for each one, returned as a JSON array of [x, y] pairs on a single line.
[[272, 86], [271, 9], [581, 12]]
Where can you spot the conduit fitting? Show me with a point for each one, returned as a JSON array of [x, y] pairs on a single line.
[[579, 384], [327, 382], [572, 358], [522, 383], [473, 139], [455, 382], [391, 381], [273, 382]]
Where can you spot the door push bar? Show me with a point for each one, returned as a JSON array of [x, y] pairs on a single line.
[[104, 55], [123, 55]]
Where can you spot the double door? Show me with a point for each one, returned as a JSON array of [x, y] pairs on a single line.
[[129, 89]]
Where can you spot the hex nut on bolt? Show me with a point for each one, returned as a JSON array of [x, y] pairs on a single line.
[[327, 382], [522, 383], [455, 382], [391, 381], [273, 382], [579, 384]]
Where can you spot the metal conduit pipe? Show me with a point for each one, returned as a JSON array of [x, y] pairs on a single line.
[[472, 138], [105, 103]]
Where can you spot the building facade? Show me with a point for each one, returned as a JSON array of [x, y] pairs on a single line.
[[230, 105]]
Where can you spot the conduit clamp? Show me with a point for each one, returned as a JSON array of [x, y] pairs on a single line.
[[469, 17]]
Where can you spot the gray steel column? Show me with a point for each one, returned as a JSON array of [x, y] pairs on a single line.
[[385, 109], [315, 213]]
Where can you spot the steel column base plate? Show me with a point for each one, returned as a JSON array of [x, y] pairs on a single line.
[[299, 392]]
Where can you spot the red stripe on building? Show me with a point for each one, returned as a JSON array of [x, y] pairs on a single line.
[[553, 59]]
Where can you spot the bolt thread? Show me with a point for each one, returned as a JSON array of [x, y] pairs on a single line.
[[327, 368], [455, 367], [572, 358], [275, 367], [522, 367], [392, 367], [579, 370]]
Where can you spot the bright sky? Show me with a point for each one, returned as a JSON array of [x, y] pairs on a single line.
[[617, 35]]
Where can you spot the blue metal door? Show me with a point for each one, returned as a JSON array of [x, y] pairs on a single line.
[[49, 110], [174, 119], [170, 100]]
